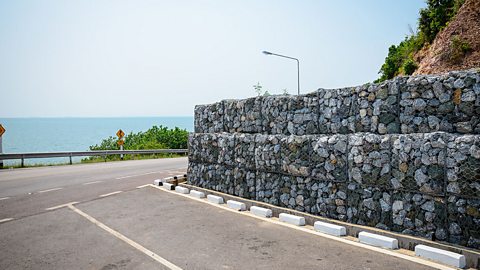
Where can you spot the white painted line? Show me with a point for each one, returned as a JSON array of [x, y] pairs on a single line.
[[329, 228], [440, 255], [311, 231], [197, 194], [135, 175], [60, 206], [378, 240], [182, 190], [239, 206], [261, 212], [5, 220], [214, 199], [111, 193], [127, 240], [90, 183], [142, 186], [292, 219], [4, 198], [48, 190]]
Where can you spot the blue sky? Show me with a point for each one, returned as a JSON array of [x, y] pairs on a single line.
[[160, 58]]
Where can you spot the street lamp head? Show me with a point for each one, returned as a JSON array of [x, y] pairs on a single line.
[[267, 53]]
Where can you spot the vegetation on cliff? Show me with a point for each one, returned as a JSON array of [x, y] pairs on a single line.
[[402, 58]]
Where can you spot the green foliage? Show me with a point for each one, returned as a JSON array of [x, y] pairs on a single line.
[[157, 137], [409, 66], [436, 16], [400, 58], [258, 89], [458, 49], [432, 20]]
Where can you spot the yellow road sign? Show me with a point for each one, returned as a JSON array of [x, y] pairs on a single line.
[[120, 142], [2, 130], [120, 133]]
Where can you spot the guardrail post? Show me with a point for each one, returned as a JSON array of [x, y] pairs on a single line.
[[70, 159], [23, 163]]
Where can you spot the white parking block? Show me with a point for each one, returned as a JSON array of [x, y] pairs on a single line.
[[182, 190], [157, 182], [378, 240], [439, 255], [214, 199], [168, 186], [236, 205], [292, 219], [197, 194], [260, 211], [328, 228]]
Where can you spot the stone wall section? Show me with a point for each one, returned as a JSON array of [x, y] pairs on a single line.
[[402, 155]]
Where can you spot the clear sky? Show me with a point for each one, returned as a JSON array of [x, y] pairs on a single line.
[[160, 58]]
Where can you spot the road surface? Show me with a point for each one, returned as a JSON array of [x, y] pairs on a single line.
[[119, 222]]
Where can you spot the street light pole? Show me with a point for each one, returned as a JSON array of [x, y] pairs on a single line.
[[298, 66]]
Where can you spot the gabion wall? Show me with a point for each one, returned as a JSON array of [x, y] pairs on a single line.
[[419, 104], [403, 155]]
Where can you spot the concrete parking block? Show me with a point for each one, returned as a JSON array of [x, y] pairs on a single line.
[[214, 199], [169, 186], [197, 194], [378, 240], [157, 182], [182, 190], [292, 219], [260, 211], [236, 205], [440, 255], [329, 228]]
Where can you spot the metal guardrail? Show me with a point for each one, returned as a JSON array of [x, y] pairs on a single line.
[[23, 156]]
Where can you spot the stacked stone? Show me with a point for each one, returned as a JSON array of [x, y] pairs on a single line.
[[294, 153], [328, 158], [369, 159], [330, 200], [245, 150], [296, 115], [267, 153], [244, 115], [337, 111], [209, 118], [419, 214], [369, 205], [377, 108], [463, 189], [449, 103], [226, 149], [418, 162], [383, 175]]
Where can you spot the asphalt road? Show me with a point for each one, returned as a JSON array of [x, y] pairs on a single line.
[[149, 228], [28, 191]]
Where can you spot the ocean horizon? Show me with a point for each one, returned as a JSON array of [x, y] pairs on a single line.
[[52, 134]]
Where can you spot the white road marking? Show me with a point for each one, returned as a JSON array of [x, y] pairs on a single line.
[[94, 182], [309, 229], [4, 198], [111, 193], [129, 176], [5, 220], [127, 240], [48, 190], [60, 206], [142, 186]]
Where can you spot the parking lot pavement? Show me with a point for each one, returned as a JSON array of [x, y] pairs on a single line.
[[62, 239], [195, 235]]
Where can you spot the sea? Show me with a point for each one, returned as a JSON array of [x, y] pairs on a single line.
[[26, 135]]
